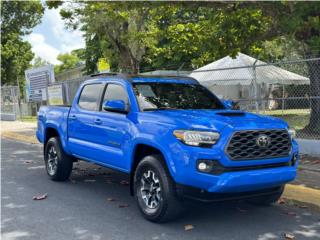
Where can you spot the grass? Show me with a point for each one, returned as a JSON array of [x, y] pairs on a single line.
[[28, 118], [296, 118]]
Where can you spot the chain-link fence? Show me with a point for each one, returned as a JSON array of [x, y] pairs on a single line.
[[9, 103], [289, 90]]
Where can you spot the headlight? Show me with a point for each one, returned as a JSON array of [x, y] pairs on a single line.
[[292, 133], [197, 138]]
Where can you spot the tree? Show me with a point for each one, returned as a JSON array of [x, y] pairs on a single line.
[[301, 21], [304, 24], [68, 61], [39, 62], [131, 34], [197, 33], [17, 20], [121, 27]]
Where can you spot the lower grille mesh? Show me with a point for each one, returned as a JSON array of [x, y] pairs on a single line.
[[244, 144]]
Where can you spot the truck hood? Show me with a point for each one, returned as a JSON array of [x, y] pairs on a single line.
[[216, 119]]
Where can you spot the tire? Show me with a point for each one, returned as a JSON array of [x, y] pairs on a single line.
[[267, 200], [58, 163], [164, 205]]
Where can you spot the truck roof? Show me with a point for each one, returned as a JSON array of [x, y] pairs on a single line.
[[145, 78]]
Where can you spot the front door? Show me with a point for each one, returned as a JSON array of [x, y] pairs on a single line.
[[111, 130]]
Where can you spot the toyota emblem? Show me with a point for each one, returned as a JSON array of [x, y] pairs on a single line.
[[263, 141]]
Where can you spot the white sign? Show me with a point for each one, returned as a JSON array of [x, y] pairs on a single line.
[[38, 79], [55, 95]]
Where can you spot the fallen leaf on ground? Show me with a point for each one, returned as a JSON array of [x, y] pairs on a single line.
[[123, 182], [289, 236], [111, 199], [281, 201], [188, 227], [28, 161], [89, 180], [123, 205], [291, 214], [40, 197]]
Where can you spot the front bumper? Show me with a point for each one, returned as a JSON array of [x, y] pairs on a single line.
[[205, 196], [250, 176]]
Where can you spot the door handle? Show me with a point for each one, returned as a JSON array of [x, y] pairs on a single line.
[[98, 121], [73, 117]]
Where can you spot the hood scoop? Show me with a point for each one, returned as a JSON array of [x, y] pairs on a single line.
[[231, 114]]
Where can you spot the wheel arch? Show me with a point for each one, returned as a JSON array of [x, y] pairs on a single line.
[[52, 131], [140, 151]]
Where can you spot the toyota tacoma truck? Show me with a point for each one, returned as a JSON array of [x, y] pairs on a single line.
[[174, 138]]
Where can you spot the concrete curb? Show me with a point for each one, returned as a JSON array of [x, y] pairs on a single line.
[[309, 146], [302, 194]]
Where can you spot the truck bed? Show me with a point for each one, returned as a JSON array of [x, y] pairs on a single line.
[[55, 116]]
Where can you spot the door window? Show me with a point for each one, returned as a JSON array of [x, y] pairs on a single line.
[[90, 97], [115, 92]]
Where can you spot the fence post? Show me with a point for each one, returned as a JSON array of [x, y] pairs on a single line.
[[255, 87], [283, 91], [18, 93]]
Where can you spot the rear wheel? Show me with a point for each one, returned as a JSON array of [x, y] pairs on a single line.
[[155, 191], [58, 163], [267, 200]]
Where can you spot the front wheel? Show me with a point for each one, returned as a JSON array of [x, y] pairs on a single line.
[[155, 190], [58, 163]]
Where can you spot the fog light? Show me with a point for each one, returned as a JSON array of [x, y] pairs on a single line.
[[204, 165]]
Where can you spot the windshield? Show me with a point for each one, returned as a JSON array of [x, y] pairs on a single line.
[[159, 96]]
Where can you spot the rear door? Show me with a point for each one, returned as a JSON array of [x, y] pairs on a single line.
[[80, 121]]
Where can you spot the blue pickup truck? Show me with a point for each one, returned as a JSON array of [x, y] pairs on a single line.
[[174, 138]]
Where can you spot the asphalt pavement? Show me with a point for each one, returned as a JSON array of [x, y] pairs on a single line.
[[95, 204]]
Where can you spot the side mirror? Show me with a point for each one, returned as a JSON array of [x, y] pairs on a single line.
[[115, 106], [229, 104]]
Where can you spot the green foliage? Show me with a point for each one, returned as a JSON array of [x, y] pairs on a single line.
[[17, 20], [198, 34], [303, 22], [137, 36], [39, 62], [68, 61]]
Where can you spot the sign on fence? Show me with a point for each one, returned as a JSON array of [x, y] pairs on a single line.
[[55, 95], [37, 80]]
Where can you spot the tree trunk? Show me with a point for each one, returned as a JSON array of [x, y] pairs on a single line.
[[127, 62], [314, 75]]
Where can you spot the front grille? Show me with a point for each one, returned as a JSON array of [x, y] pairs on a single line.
[[244, 144]]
